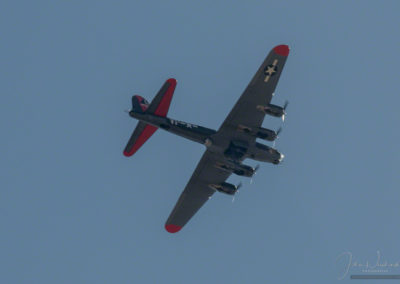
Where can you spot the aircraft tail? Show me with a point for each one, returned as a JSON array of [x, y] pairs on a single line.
[[158, 106], [142, 132]]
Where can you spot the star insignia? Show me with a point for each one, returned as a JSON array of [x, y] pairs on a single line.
[[270, 70]]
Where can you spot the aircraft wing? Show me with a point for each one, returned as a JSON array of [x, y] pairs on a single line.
[[197, 191], [259, 92]]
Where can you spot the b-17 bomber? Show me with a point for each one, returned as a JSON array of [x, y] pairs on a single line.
[[227, 147]]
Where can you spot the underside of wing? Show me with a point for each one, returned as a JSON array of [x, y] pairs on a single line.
[[197, 191], [248, 110]]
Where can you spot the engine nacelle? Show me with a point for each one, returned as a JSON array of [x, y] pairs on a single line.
[[272, 110], [266, 134], [238, 169], [264, 153], [225, 187], [244, 170]]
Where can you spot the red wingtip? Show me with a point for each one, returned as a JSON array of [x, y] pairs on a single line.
[[282, 49], [172, 81], [127, 154], [171, 228]]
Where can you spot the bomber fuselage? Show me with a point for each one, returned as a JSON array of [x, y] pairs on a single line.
[[236, 151]]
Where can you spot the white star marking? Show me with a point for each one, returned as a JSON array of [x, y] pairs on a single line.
[[271, 70]]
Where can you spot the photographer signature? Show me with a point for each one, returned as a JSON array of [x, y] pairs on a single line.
[[379, 265]]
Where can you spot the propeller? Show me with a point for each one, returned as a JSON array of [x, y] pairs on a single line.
[[237, 191], [284, 109], [255, 171], [277, 136], [286, 104], [278, 131], [127, 110]]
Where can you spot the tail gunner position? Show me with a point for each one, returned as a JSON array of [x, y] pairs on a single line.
[[234, 141]]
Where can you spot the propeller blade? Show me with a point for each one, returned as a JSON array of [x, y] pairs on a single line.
[[127, 110], [286, 104], [255, 172], [277, 136], [237, 191], [284, 109]]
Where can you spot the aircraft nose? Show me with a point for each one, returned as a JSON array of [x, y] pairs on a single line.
[[281, 157]]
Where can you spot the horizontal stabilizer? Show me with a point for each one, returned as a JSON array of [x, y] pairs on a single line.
[[160, 104], [140, 135]]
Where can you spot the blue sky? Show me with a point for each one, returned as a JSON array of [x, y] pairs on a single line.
[[73, 209]]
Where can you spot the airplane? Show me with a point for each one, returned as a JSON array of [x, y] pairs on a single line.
[[227, 147]]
